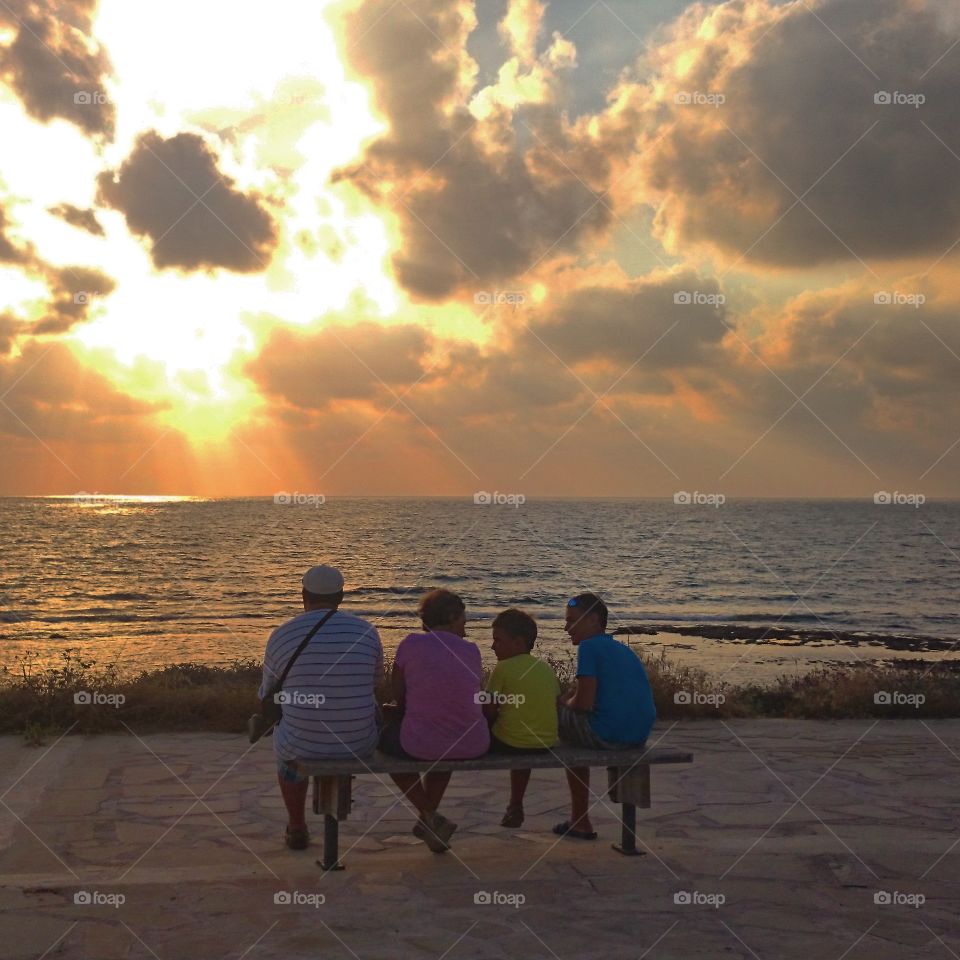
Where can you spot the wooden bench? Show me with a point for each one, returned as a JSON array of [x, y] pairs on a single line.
[[628, 782]]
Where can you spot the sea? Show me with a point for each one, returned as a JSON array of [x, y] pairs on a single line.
[[746, 589]]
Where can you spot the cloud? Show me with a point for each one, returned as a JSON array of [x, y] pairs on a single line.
[[478, 201], [364, 362], [171, 191], [798, 119], [76, 217], [666, 320], [11, 252], [74, 291], [48, 394], [55, 65]]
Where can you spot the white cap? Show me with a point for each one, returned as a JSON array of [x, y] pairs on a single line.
[[323, 580]]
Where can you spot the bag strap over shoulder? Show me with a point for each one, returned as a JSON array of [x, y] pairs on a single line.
[[316, 627]]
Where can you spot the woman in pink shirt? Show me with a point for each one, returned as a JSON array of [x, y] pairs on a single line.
[[437, 681]]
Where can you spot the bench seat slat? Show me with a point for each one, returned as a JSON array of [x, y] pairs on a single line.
[[557, 758]]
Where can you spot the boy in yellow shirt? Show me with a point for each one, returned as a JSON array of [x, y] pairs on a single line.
[[520, 702]]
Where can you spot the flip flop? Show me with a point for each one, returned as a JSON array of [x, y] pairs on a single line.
[[297, 838], [565, 830]]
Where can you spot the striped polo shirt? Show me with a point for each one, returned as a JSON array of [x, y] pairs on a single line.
[[329, 711]]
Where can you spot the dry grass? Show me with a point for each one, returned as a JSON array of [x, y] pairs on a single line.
[[190, 696]]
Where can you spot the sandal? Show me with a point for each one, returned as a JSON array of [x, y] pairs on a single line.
[[297, 838], [565, 830], [513, 817], [435, 831]]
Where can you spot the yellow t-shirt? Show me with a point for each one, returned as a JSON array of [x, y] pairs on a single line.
[[526, 690]]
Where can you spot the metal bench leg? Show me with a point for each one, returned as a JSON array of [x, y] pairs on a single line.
[[331, 844], [628, 832]]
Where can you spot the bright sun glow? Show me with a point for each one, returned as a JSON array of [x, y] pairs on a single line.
[[275, 82]]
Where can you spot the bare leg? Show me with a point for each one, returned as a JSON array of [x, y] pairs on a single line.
[[578, 779], [518, 786], [295, 799], [435, 783], [410, 784]]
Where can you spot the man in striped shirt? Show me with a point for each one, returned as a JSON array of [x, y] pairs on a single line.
[[329, 710]]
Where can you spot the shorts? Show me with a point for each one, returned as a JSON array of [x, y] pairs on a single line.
[[575, 729], [390, 740], [290, 772]]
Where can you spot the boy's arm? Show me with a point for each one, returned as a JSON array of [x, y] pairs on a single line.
[[585, 694]]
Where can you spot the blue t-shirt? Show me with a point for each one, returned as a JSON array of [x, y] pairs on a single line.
[[623, 711]]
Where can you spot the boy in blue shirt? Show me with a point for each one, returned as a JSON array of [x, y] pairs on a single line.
[[609, 708]]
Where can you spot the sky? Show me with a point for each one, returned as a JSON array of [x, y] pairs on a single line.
[[435, 247]]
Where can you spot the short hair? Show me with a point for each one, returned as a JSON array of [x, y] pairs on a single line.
[[439, 607], [590, 603], [518, 623], [333, 599]]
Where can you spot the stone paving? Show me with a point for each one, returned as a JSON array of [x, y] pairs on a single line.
[[782, 839]]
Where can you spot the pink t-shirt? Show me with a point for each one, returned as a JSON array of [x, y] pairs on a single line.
[[443, 675]]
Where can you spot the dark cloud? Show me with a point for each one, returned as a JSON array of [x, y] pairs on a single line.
[[479, 202], [77, 217], [73, 292], [363, 362], [172, 192], [660, 322], [54, 63], [797, 101]]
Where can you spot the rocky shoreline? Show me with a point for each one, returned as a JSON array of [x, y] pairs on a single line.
[[751, 634]]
